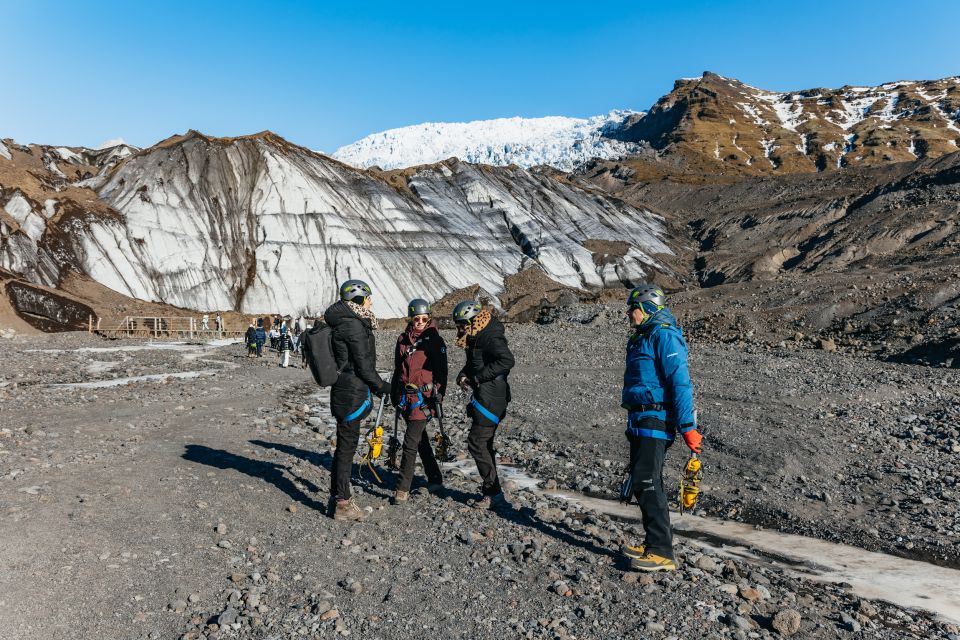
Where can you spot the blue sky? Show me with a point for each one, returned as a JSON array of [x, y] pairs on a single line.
[[326, 74]]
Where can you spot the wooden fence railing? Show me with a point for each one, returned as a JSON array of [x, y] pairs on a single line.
[[182, 328]]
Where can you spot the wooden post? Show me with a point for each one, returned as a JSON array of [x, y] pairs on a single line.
[[90, 323]]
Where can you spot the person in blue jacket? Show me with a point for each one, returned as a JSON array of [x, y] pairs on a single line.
[[658, 395]]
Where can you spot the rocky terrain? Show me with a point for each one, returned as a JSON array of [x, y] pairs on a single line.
[[722, 126], [194, 506]]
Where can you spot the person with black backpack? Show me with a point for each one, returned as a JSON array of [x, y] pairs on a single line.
[[419, 380], [354, 351]]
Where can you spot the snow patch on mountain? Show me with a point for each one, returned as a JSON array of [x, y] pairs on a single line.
[[556, 141], [113, 142], [4, 152]]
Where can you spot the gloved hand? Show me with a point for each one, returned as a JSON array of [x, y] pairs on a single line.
[[383, 389], [464, 382], [692, 438]]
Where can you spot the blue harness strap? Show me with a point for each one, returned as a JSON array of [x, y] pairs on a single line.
[[408, 408], [363, 407], [660, 434], [484, 411]]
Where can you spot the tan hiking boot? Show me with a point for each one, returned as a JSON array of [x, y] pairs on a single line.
[[401, 496], [653, 562], [347, 510], [633, 553]]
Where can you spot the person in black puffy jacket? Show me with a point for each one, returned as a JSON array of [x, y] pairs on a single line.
[[489, 362], [351, 396]]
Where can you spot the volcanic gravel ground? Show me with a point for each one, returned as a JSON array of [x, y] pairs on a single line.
[[843, 448], [197, 508]]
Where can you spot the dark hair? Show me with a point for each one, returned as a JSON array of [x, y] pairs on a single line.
[[358, 300]]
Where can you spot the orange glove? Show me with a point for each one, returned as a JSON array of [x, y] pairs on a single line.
[[693, 440]]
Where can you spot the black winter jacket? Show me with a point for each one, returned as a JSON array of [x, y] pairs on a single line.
[[489, 362], [355, 350]]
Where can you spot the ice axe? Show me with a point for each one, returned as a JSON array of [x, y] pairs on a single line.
[[394, 443], [440, 438]]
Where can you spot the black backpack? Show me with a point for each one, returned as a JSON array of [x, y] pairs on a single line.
[[318, 351]]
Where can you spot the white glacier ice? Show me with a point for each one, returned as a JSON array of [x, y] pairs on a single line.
[[556, 141]]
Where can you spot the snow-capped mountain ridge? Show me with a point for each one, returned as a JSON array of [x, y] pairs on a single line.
[[557, 141]]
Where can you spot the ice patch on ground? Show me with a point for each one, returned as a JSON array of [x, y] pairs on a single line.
[[153, 377], [876, 576]]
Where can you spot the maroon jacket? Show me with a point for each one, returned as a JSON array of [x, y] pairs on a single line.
[[420, 360]]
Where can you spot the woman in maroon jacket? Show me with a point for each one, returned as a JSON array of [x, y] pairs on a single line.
[[419, 380]]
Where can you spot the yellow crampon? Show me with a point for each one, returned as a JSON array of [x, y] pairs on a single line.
[[374, 448], [690, 484]]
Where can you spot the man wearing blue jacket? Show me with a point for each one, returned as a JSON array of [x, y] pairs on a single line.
[[658, 395]]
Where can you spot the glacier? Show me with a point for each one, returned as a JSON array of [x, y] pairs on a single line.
[[257, 224], [560, 142]]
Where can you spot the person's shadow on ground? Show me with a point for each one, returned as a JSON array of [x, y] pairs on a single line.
[[359, 475], [270, 472]]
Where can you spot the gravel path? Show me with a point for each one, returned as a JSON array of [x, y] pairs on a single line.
[[196, 507]]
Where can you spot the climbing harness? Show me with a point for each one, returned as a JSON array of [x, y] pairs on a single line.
[[482, 410], [690, 484], [408, 407]]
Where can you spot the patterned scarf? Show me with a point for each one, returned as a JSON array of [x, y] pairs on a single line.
[[363, 312], [480, 322]]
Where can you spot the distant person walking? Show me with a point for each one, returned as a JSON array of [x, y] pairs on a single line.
[[205, 322], [251, 339], [489, 362], [419, 379], [285, 346], [261, 338], [351, 396], [219, 323], [658, 395]]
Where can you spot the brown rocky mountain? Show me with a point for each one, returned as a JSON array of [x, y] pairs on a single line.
[[722, 126]]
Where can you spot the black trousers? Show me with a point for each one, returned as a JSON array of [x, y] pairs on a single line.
[[348, 436], [480, 445], [416, 439], [646, 464]]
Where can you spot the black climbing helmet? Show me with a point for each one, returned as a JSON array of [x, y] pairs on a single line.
[[418, 307], [654, 297], [352, 289], [466, 311]]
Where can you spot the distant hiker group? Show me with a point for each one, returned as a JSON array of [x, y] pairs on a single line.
[[283, 338], [657, 394]]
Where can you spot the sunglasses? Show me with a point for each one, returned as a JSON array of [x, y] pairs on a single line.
[[421, 319]]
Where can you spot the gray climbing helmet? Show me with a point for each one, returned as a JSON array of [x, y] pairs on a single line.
[[418, 307], [354, 289], [466, 311], [647, 293]]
